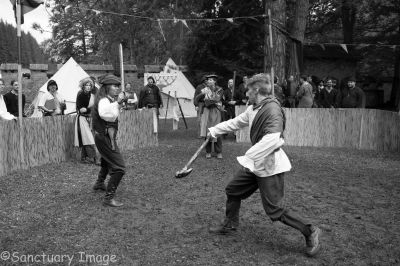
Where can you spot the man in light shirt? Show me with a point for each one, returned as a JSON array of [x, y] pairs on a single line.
[[105, 114], [264, 164]]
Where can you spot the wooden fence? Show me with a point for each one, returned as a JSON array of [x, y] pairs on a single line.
[[366, 129], [51, 139]]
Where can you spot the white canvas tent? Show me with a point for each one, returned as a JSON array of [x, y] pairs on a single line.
[[67, 78], [173, 84]]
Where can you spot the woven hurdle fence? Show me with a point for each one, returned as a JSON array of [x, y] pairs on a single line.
[[51, 139], [365, 129]]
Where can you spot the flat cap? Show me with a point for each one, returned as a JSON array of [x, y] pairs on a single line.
[[110, 80], [352, 78]]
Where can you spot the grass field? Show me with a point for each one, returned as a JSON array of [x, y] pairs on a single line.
[[354, 196]]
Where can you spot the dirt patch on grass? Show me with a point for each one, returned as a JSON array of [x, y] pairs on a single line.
[[353, 196]]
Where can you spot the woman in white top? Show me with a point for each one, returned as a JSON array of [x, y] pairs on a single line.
[[4, 114], [52, 103]]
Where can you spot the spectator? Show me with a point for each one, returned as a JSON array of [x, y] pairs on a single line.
[[4, 114], [212, 96], [52, 103], [278, 91], [132, 101], [199, 103], [240, 94], [291, 92], [352, 96], [305, 94], [329, 95], [310, 80], [150, 96], [11, 99], [83, 134], [318, 94], [228, 102]]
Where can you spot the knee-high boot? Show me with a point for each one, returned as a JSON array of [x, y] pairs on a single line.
[[99, 185], [111, 188]]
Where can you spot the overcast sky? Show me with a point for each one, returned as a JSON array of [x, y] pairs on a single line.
[[39, 15]]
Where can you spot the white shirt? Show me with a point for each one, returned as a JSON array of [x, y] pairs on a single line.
[[48, 96], [4, 114], [134, 100], [260, 158], [107, 110]]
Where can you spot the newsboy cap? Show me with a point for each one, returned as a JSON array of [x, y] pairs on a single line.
[[110, 80]]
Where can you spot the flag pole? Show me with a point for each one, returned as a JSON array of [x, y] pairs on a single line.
[[21, 132]]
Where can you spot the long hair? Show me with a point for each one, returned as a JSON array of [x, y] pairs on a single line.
[[84, 81], [101, 93]]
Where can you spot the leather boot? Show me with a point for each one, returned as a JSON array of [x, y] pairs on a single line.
[[231, 223], [99, 185], [111, 188]]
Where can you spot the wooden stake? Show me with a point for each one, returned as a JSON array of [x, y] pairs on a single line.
[[21, 129], [121, 60]]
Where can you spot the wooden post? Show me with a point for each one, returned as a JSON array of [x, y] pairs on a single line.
[[272, 51], [21, 129], [121, 61], [266, 37], [233, 89]]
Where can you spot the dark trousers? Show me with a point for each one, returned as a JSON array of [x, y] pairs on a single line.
[[217, 146], [88, 151], [245, 183], [112, 163]]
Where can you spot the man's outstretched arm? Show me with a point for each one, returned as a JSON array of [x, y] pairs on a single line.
[[231, 125]]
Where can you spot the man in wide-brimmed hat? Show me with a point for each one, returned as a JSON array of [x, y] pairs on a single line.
[[212, 96], [105, 114], [150, 96], [199, 103]]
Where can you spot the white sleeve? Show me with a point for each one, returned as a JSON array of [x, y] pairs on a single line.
[[43, 99], [3, 110], [134, 100], [231, 125], [107, 110], [261, 149]]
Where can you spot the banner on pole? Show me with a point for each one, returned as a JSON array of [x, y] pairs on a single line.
[[344, 47], [26, 6]]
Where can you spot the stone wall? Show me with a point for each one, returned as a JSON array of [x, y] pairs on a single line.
[[39, 74]]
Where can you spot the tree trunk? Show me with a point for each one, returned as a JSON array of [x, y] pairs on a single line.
[[278, 13], [395, 95], [297, 31], [349, 11]]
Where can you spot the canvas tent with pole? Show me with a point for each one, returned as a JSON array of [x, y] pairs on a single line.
[[67, 78], [174, 85]]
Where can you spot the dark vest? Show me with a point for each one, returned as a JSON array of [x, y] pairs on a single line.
[[99, 124], [269, 119]]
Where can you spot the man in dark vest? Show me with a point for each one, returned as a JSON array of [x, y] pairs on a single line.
[[352, 96], [263, 165], [11, 99], [105, 113], [150, 96]]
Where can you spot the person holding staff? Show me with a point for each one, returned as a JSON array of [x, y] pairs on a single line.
[[107, 105], [263, 165], [212, 96]]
